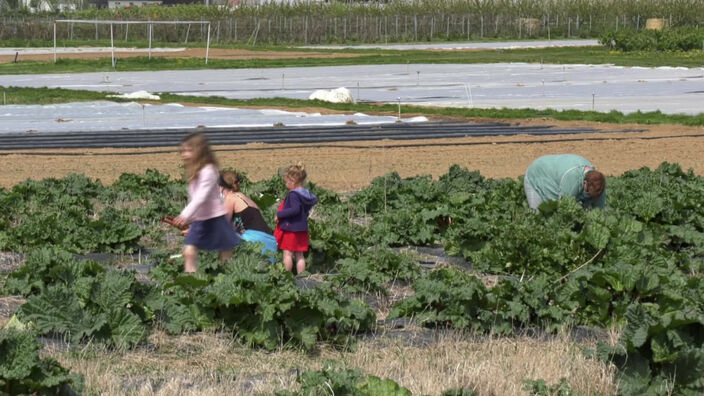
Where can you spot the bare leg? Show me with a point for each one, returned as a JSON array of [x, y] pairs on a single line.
[[190, 254], [225, 255], [288, 260], [300, 262]]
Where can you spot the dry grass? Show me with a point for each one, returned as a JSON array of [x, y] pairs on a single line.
[[212, 364]]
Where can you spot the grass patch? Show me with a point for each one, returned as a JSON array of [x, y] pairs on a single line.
[[566, 55], [213, 364], [45, 96], [15, 95]]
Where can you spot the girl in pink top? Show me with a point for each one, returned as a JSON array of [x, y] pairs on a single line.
[[205, 213]]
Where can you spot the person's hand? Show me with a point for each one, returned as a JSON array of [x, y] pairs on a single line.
[[276, 218], [184, 231], [179, 222]]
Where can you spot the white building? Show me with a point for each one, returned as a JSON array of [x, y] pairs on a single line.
[[48, 5]]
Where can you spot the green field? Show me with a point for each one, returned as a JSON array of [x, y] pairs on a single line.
[[588, 55], [447, 286], [603, 299]]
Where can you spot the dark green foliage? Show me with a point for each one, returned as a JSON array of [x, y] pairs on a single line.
[[159, 194], [375, 268], [49, 266], [23, 372], [325, 197], [79, 298], [631, 264], [339, 316], [147, 185], [412, 211], [448, 297], [663, 339], [335, 238], [635, 265], [102, 308], [459, 392], [540, 388], [259, 301], [61, 212], [337, 380], [677, 39]]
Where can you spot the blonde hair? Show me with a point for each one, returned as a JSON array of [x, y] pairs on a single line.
[[202, 154], [296, 173]]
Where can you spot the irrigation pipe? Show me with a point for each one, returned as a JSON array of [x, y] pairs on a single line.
[[353, 147]]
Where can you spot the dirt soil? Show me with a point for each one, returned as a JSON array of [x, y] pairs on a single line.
[[214, 53], [351, 166]]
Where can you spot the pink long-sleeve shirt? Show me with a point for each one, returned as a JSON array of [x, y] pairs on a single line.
[[203, 196]]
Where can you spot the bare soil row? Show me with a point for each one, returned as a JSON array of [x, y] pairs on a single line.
[[351, 166]]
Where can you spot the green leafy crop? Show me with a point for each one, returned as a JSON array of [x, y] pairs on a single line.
[[337, 380], [22, 371]]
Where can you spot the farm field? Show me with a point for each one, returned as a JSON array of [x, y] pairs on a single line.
[[427, 272], [425, 352]]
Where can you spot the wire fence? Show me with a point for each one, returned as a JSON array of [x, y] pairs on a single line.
[[324, 29]]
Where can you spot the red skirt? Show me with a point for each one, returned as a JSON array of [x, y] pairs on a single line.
[[293, 241]]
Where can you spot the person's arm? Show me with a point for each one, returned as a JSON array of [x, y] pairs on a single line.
[[294, 207], [229, 208], [207, 180]]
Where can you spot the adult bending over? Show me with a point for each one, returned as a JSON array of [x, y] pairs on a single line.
[[552, 177], [244, 213]]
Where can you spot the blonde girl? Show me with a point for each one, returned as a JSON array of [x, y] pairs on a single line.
[[205, 213], [292, 219]]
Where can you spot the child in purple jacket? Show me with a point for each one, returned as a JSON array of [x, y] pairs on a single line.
[[292, 218]]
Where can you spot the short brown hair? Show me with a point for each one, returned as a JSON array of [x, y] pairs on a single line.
[[596, 183]]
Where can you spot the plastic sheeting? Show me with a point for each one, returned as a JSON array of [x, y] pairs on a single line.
[[514, 85], [111, 116], [466, 46]]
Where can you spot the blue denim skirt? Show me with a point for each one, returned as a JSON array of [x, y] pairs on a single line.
[[213, 235]]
